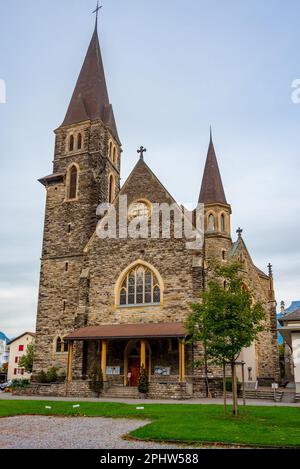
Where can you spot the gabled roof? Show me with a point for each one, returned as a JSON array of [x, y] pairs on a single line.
[[20, 337], [261, 273], [294, 316], [212, 190], [90, 99]]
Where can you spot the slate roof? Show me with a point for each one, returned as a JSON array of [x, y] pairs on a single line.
[[90, 99], [294, 316], [212, 190]]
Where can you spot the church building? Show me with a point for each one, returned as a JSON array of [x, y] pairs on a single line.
[[124, 302]]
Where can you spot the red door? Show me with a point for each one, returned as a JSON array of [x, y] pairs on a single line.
[[134, 369]]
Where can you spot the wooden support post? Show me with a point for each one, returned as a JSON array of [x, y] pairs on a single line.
[[104, 359], [143, 354], [70, 362], [182, 361]]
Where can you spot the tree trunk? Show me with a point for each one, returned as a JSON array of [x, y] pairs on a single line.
[[224, 389], [208, 395], [234, 389]]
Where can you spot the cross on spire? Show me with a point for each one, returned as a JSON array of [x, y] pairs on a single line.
[[141, 152], [270, 267], [239, 232], [98, 8]]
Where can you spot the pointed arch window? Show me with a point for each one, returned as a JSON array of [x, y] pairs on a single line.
[[111, 189], [79, 141], [140, 287], [71, 143], [211, 223], [73, 183], [58, 345], [61, 345], [223, 223], [110, 150], [115, 156]]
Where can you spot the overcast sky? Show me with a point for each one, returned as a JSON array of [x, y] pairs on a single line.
[[173, 68]]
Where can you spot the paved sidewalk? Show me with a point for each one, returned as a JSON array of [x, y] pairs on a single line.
[[250, 402]]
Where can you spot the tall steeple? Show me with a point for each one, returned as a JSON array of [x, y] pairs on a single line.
[[212, 190], [90, 99], [217, 211]]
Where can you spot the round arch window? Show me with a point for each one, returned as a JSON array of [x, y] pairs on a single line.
[[139, 209]]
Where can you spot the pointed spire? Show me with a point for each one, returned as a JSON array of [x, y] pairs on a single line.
[[90, 99], [212, 190]]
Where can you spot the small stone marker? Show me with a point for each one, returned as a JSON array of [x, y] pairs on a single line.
[[140, 408], [48, 407], [76, 406]]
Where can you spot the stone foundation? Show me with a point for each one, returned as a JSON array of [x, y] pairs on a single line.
[[75, 389]]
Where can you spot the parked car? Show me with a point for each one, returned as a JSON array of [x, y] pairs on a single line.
[[4, 386]]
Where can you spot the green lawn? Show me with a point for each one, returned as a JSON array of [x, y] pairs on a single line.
[[259, 426]]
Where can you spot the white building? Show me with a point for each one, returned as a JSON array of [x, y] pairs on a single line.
[[17, 349], [4, 352], [290, 331]]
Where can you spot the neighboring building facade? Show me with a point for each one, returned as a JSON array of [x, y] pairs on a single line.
[[4, 352], [290, 331], [17, 349], [124, 302]]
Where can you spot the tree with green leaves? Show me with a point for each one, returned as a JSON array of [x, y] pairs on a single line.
[[143, 385], [226, 319], [26, 361], [96, 378]]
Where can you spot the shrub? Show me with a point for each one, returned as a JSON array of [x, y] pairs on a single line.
[[20, 383], [62, 377], [52, 375], [47, 377], [41, 377], [229, 385], [96, 378], [143, 386]]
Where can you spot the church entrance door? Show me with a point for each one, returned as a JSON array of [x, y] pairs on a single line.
[[134, 369]]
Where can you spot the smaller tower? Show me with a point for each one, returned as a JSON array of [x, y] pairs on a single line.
[[217, 211]]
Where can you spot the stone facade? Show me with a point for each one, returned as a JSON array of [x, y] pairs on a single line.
[[80, 272]]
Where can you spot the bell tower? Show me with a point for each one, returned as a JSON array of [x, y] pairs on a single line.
[[86, 173], [87, 160], [217, 211]]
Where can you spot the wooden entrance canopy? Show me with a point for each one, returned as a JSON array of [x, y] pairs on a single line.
[[129, 331]]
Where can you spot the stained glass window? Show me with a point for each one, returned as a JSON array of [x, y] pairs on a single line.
[[140, 287]]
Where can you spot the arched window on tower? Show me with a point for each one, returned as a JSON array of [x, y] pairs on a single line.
[[58, 345], [115, 156], [223, 224], [79, 141], [71, 143], [110, 149], [73, 183], [140, 287], [211, 223], [111, 189]]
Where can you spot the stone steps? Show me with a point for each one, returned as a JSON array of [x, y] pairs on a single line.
[[121, 392], [267, 395]]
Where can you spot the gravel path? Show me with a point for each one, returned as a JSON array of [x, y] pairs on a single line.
[[28, 432]]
